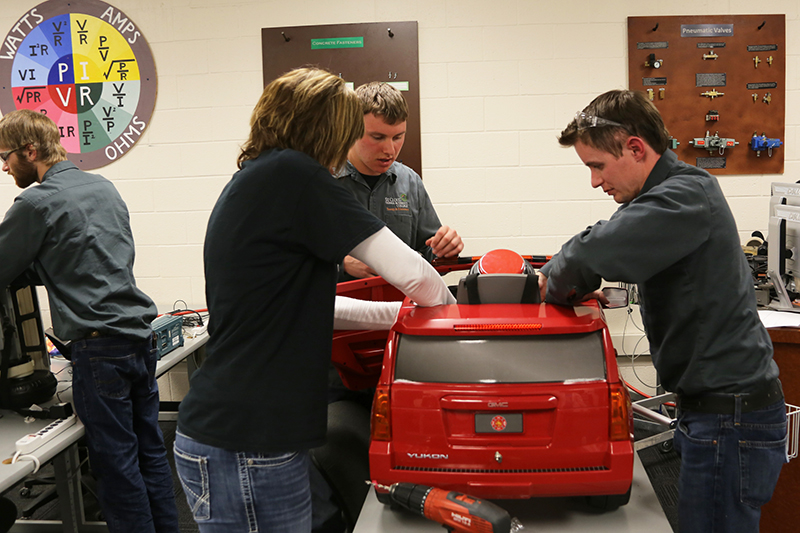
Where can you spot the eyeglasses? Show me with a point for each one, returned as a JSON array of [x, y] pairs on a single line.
[[5, 155], [585, 121]]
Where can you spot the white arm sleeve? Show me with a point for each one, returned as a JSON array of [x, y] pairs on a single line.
[[404, 268], [350, 313]]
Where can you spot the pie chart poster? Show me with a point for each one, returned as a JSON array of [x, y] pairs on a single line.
[[86, 65]]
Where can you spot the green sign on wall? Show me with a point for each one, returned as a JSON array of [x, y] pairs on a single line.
[[337, 42]]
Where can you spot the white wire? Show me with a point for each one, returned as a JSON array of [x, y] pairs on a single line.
[[634, 355], [28, 457]]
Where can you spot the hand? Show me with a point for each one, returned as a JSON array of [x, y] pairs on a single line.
[[596, 295], [357, 269], [542, 285], [446, 242]]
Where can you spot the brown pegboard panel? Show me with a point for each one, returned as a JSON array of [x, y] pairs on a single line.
[[389, 52], [681, 42]]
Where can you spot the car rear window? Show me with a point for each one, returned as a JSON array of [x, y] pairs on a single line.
[[509, 359]]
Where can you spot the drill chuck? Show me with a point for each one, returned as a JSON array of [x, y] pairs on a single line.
[[410, 496]]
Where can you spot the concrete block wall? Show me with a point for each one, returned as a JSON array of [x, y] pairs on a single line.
[[499, 79]]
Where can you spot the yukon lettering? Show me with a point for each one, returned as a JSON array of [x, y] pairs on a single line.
[[428, 455]]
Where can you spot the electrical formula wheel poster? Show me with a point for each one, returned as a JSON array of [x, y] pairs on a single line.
[[86, 65]]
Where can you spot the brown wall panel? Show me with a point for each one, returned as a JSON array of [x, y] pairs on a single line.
[[390, 53], [736, 40]]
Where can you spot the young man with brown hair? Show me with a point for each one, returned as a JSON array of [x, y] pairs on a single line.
[[389, 189], [675, 237]]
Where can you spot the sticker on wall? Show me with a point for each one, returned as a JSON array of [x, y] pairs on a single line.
[[87, 66]]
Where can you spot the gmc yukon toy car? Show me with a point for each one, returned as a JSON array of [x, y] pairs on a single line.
[[499, 400]]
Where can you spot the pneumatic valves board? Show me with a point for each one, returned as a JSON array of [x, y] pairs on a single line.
[[719, 83]]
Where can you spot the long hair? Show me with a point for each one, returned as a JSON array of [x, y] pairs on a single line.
[[309, 110], [23, 127]]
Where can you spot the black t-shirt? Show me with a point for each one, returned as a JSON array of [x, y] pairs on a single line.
[[372, 181], [274, 240]]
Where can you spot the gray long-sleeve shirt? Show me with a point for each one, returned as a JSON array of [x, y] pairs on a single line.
[[678, 241], [73, 231], [399, 199]]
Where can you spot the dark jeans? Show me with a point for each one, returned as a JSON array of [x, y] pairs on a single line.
[[116, 397], [729, 467], [242, 492]]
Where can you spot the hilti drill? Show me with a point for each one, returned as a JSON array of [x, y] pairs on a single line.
[[457, 512]]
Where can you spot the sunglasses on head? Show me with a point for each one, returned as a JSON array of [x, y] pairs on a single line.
[[585, 121]]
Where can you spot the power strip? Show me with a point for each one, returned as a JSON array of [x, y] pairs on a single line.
[[33, 441]]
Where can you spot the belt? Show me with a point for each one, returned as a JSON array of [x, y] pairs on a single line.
[[725, 404]]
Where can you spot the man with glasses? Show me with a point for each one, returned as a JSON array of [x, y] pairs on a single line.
[[675, 237], [72, 233]]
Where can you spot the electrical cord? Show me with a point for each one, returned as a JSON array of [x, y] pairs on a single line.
[[633, 356], [185, 313], [59, 393], [28, 457], [193, 321]]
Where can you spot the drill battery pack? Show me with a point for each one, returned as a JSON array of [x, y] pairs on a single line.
[[167, 333]]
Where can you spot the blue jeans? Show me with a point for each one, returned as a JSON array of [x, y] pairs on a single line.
[[116, 397], [729, 467], [241, 492]]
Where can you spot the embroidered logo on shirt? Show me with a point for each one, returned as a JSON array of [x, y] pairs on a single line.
[[397, 204]]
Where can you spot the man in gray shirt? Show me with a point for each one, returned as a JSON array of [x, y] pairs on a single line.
[[387, 188], [675, 237], [71, 231]]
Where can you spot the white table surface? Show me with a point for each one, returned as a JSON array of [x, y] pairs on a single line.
[[13, 425], [540, 515]]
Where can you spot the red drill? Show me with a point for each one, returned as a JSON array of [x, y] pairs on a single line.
[[457, 512]]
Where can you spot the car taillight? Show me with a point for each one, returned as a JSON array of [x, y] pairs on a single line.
[[620, 413], [381, 428]]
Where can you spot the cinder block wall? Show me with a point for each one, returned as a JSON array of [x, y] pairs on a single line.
[[499, 80]]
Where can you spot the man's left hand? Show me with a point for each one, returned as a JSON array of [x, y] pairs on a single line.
[[446, 242], [596, 295]]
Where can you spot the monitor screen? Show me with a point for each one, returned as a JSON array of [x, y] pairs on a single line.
[[784, 194], [783, 255]]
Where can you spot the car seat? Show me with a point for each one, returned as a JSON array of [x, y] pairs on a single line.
[[499, 276]]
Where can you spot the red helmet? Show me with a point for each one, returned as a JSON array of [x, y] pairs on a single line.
[[502, 262]]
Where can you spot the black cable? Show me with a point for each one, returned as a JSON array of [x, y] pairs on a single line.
[[187, 321]]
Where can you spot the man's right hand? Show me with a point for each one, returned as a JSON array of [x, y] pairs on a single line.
[[357, 269], [445, 242], [542, 285]]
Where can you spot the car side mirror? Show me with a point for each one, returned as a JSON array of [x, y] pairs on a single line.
[[617, 297]]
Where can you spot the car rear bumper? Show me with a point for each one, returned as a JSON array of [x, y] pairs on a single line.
[[497, 484]]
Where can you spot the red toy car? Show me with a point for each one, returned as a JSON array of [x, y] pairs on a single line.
[[496, 400]]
